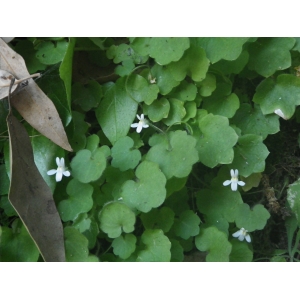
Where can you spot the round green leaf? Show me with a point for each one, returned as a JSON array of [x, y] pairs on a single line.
[[218, 48], [177, 112], [177, 254], [148, 191], [141, 90], [268, 55], [50, 53], [251, 219], [240, 252], [17, 246], [88, 166], [249, 155], [175, 153], [158, 110], [87, 95], [124, 246], [207, 85], [282, 93], [157, 247], [187, 225], [219, 202], [215, 242], [115, 218], [123, 155], [166, 50], [194, 63], [215, 141], [80, 200], [76, 246], [185, 91], [162, 218], [252, 120], [164, 79]]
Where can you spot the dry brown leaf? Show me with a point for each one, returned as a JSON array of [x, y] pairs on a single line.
[[5, 78], [31, 197], [32, 104]]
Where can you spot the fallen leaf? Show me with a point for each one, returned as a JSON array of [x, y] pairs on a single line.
[[31, 197], [32, 104]]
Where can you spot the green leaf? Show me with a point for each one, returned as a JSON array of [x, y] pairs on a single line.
[[8, 208], [164, 79], [215, 140], [178, 201], [157, 247], [115, 218], [124, 246], [293, 198], [92, 234], [282, 93], [235, 66], [148, 191], [215, 242], [177, 254], [80, 127], [218, 48], [65, 69], [80, 200], [88, 95], [267, 55], [194, 63], [17, 246], [158, 110], [4, 181], [219, 202], [76, 245], [26, 49], [187, 225], [125, 69], [249, 155], [176, 113], [162, 218], [251, 120], [116, 111], [92, 142], [191, 111], [124, 156], [251, 219], [50, 53], [175, 153], [207, 85], [88, 166], [222, 105], [240, 252], [166, 50], [184, 92], [141, 90]]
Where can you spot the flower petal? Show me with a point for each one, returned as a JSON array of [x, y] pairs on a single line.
[[59, 175], [139, 117], [227, 182], [142, 117], [139, 128], [58, 161], [134, 125], [237, 234], [62, 162], [67, 173], [236, 173], [145, 126], [234, 185], [51, 172], [241, 237], [232, 173], [248, 238], [241, 183]]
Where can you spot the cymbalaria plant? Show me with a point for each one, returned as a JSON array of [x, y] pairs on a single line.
[[157, 127]]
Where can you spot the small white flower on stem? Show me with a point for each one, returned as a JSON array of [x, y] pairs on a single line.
[[60, 171], [280, 113], [242, 234], [234, 180], [141, 124]]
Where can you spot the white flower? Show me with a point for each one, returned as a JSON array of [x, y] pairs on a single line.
[[234, 180], [60, 171], [141, 124], [242, 234], [280, 113]]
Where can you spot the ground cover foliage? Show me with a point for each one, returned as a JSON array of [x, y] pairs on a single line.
[[154, 191]]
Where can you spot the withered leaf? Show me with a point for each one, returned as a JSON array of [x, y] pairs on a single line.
[[31, 197], [5, 78], [33, 105]]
